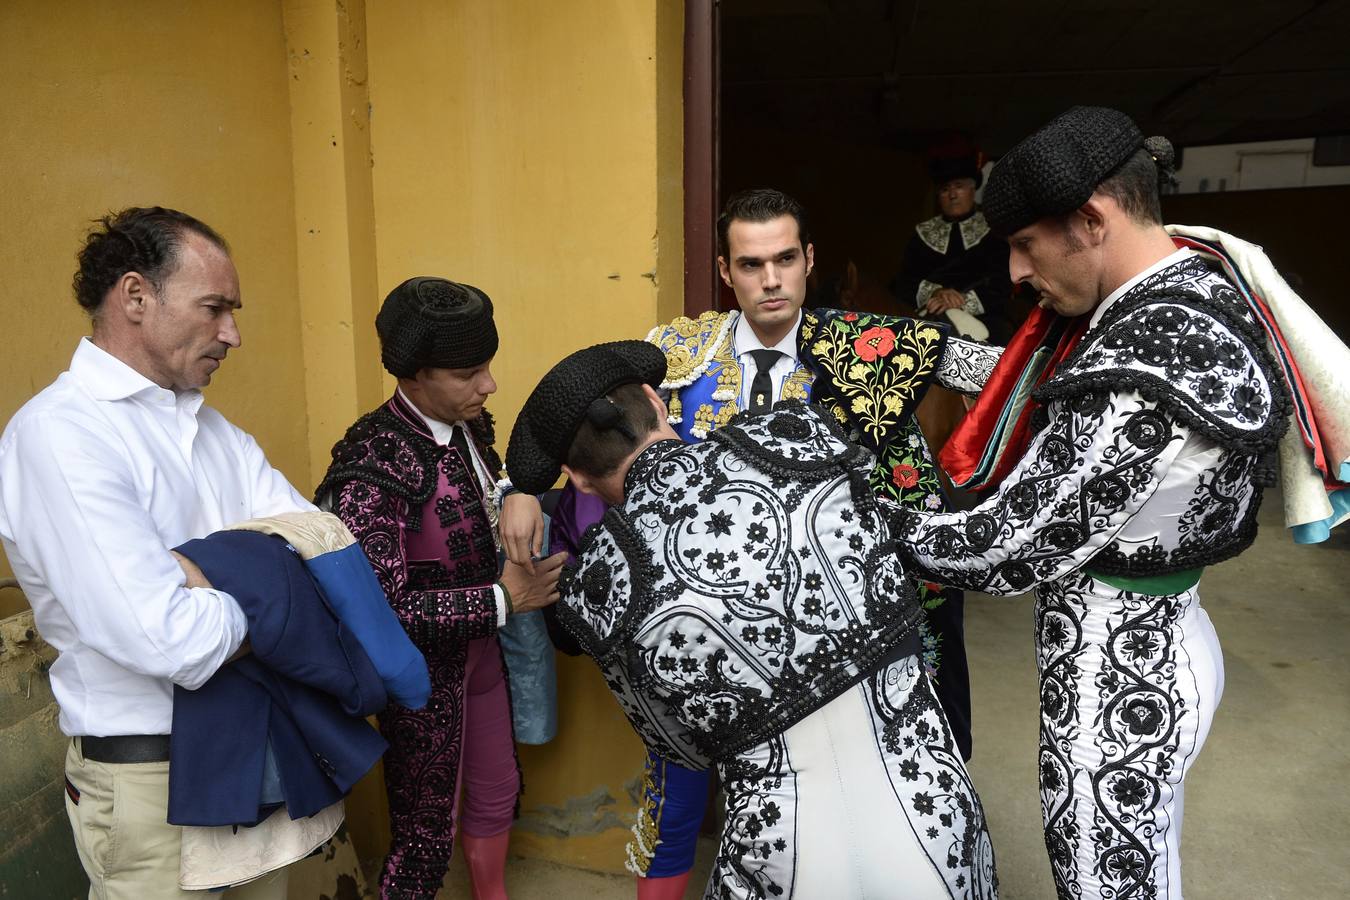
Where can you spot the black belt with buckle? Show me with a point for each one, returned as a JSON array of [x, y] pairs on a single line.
[[126, 748]]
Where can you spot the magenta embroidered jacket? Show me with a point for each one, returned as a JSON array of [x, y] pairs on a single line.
[[421, 517]]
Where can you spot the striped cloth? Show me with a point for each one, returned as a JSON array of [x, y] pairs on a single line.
[[1315, 451]]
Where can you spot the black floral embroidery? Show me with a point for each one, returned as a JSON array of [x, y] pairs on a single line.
[[1184, 338], [966, 365], [1072, 488], [1104, 803], [1055, 502], [750, 859], [929, 779], [787, 626]]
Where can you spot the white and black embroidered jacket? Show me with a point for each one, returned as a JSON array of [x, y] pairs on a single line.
[[1150, 454], [744, 582]]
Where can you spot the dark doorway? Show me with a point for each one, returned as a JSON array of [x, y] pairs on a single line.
[[837, 101]]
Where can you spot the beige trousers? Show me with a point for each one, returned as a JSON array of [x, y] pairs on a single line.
[[127, 848]]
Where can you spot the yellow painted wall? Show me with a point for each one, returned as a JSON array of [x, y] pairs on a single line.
[[515, 148], [108, 105]]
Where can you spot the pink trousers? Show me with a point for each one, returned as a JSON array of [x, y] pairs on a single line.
[[462, 736]]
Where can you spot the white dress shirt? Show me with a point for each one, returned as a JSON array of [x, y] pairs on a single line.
[[100, 475], [442, 433], [744, 339]]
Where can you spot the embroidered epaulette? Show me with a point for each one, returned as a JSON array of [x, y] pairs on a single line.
[[689, 345], [383, 449], [1199, 356], [807, 446], [598, 590], [380, 448]]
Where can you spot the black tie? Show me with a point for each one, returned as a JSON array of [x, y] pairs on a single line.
[[761, 389]]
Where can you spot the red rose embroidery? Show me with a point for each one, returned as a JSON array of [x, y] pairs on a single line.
[[933, 587], [850, 317], [905, 476], [875, 341]]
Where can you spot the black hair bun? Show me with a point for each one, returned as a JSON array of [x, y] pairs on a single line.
[[1164, 157], [603, 413]]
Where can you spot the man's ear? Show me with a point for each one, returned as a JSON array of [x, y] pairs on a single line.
[[581, 481], [662, 411], [132, 294], [724, 270], [810, 257], [1093, 218]]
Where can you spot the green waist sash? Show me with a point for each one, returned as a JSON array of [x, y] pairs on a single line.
[[1152, 585]]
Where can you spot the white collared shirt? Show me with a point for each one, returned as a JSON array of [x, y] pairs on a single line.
[[1165, 262], [744, 339], [100, 475], [442, 433]]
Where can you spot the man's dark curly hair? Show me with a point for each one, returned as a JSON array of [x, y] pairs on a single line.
[[137, 239], [759, 205]]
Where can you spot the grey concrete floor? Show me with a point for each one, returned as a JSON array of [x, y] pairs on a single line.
[[1268, 799]]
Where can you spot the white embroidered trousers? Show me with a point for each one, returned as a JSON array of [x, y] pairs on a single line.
[[1129, 684]]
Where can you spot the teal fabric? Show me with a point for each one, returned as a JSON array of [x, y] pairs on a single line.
[[1317, 532], [533, 682]]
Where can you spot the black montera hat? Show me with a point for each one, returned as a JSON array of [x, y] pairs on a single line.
[[1055, 170], [560, 402], [433, 323], [947, 168]]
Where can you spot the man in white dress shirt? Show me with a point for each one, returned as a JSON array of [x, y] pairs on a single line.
[[100, 474]]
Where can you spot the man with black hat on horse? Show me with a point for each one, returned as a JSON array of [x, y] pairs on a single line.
[[414, 481], [1140, 460], [952, 263], [745, 604]]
